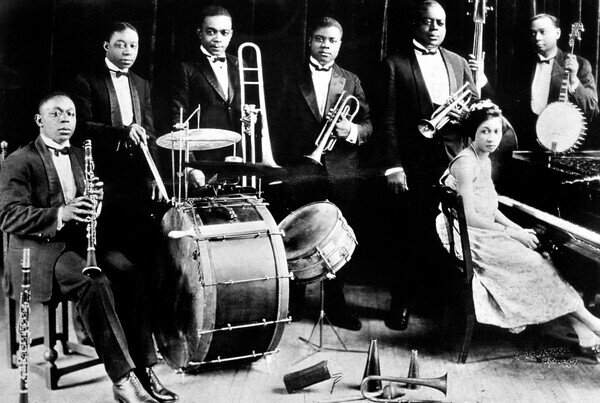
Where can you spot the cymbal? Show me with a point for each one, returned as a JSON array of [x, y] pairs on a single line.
[[199, 139], [237, 168]]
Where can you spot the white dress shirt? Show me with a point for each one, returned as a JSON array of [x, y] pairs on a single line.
[[434, 73], [220, 69], [123, 92], [540, 86], [62, 163], [321, 80]]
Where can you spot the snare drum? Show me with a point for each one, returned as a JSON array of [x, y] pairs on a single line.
[[224, 290], [318, 241]]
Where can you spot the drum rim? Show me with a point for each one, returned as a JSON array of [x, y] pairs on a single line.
[[547, 112]]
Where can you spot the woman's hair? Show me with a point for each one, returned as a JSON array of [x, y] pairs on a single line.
[[479, 113]]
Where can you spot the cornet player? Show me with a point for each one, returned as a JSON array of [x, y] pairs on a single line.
[[307, 100], [42, 208], [419, 78]]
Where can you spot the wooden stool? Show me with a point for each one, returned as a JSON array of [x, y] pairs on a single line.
[[49, 370]]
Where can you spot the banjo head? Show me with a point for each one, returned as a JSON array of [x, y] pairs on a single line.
[[561, 127]]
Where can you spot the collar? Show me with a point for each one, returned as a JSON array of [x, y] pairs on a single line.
[[313, 62], [550, 56], [51, 143], [417, 45], [207, 54], [111, 66]]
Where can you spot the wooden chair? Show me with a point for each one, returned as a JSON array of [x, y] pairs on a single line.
[[454, 212], [49, 370]]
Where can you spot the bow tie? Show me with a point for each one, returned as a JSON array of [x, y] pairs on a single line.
[[215, 59], [547, 61], [119, 73], [58, 151], [320, 68], [427, 51]]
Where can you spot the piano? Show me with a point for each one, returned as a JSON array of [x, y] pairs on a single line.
[[559, 196]]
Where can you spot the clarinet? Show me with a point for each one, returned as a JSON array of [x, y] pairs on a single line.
[[91, 266], [25, 309]]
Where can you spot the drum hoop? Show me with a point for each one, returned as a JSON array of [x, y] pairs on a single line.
[[571, 112]]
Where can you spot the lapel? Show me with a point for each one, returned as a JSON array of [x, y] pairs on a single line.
[[204, 67], [54, 188], [449, 70], [233, 75], [78, 174], [421, 91], [115, 113], [336, 86], [308, 91], [135, 100]]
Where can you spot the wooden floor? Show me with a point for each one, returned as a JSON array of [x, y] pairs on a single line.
[[502, 367]]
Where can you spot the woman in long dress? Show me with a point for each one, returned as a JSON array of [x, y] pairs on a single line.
[[513, 284]]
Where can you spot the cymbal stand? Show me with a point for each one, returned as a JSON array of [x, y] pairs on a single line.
[[183, 137]]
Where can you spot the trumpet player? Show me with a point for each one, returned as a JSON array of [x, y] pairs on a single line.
[[42, 207], [418, 79], [308, 97]]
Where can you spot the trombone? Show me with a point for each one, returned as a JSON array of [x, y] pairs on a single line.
[[440, 117], [250, 111], [325, 141]]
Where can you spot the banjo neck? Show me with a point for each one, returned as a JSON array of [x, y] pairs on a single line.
[[576, 30]]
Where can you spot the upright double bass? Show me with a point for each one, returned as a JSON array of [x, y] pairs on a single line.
[[479, 13]]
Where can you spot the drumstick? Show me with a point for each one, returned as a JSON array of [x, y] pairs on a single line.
[[152, 165], [181, 234]]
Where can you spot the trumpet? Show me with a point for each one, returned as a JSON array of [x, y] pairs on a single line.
[[440, 117], [440, 383], [325, 141]]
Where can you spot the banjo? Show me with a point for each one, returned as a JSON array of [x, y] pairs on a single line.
[[561, 127]]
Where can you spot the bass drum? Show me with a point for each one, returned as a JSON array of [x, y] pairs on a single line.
[[223, 287]]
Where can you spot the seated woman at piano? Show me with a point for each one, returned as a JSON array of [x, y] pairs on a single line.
[[513, 284]]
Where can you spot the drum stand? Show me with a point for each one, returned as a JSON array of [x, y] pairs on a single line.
[[320, 323]]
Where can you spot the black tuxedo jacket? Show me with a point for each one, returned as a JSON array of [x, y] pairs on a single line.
[[299, 121], [119, 164], [406, 101], [195, 83], [30, 195], [585, 95]]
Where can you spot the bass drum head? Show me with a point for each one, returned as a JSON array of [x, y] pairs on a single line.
[[307, 227], [560, 127]]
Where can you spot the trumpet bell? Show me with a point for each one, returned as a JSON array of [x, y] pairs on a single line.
[[426, 128]]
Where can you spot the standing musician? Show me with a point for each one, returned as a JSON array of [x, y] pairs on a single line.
[[418, 79], [542, 79], [211, 80], [42, 207], [307, 98], [116, 114]]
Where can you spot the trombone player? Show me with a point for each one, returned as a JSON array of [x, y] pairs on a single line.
[[308, 97], [418, 79]]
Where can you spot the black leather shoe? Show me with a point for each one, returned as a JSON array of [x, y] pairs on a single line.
[[344, 320], [397, 320], [129, 390], [154, 387]]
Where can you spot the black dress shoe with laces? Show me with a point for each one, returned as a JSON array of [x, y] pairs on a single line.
[[129, 390], [154, 387], [397, 320]]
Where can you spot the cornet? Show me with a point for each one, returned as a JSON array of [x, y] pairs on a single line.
[[440, 383], [325, 141], [461, 98]]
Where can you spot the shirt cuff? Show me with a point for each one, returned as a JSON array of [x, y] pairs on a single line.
[[353, 136], [572, 88], [390, 171], [59, 221]]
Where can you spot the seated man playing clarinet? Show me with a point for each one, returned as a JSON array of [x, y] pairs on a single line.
[[43, 207]]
